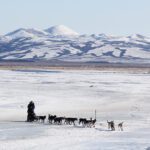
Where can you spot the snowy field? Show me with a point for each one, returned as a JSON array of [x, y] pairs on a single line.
[[118, 96]]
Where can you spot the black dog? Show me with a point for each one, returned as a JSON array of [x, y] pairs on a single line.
[[82, 121], [40, 118], [70, 120], [51, 118], [58, 120], [90, 123]]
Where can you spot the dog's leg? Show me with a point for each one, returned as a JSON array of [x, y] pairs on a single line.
[[121, 128]]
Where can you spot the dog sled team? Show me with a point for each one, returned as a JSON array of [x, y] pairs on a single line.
[[53, 119], [70, 121]]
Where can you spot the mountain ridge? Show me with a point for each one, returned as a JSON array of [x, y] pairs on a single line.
[[62, 43]]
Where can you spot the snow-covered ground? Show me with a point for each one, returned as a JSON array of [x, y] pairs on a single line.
[[119, 96]]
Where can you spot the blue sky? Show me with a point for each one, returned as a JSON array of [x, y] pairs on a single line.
[[117, 17]]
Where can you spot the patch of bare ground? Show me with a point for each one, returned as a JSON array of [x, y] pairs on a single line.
[[130, 68]]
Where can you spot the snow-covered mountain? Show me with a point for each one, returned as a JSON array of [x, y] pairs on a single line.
[[61, 30], [62, 43], [26, 33]]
